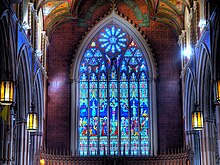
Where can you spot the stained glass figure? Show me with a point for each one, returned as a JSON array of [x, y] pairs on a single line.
[[83, 121], [124, 114], [113, 106], [134, 114], [113, 96], [93, 125], [103, 115]]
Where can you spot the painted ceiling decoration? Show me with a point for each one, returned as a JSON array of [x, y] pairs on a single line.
[[169, 12], [141, 14], [84, 18]]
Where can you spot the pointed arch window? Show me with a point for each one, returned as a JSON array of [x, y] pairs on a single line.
[[113, 96]]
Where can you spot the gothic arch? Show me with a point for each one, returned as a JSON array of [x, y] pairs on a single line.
[[152, 73], [27, 144], [204, 78], [133, 32], [39, 98], [189, 98], [215, 48], [206, 97], [37, 137], [23, 98], [7, 40]]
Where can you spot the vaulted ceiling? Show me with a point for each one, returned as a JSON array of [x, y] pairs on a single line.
[[169, 12]]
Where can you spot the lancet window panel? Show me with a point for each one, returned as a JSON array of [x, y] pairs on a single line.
[[113, 96]]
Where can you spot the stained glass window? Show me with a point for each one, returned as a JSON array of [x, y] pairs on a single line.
[[113, 96]]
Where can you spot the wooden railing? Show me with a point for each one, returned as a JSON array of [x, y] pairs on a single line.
[[174, 157]]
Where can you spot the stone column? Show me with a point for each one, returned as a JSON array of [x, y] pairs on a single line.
[[74, 117], [153, 121], [208, 142], [30, 8], [217, 113], [22, 142], [11, 159]]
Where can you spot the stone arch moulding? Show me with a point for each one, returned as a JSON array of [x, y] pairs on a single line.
[[8, 40], [190, 91], [23, 96], [204, 65], [40, 101], [152, 71], [206, 93], [204, 59], [22, 63]]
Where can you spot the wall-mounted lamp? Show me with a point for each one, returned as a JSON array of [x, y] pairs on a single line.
[[202, 24], [32, 120], [32, 116], [218, 91], [42, 162], [187, 52], [6, 82], [7, 92], [197, 119]]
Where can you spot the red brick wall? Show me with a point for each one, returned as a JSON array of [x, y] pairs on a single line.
[[166, 50], [59, 59], [167, 55]]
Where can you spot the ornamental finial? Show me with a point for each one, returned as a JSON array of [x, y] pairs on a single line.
[[113, 5]]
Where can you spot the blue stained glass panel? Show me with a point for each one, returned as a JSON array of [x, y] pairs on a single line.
[[143, 67], [83, 67], [144, 115], [98, 53], [138, 53], [133, 61], [93, 61], [123, 66], [124, 110], [128, 53], [113, 118], [88, 54], [93, 123], [134, 116], [103, 116], [113, 106], [83, 120]]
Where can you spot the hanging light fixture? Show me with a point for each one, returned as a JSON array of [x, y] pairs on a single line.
[[218, 91], [32, 120], [32, 116], [6, 83], [197, 119], [7, 92], [42, 162]]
